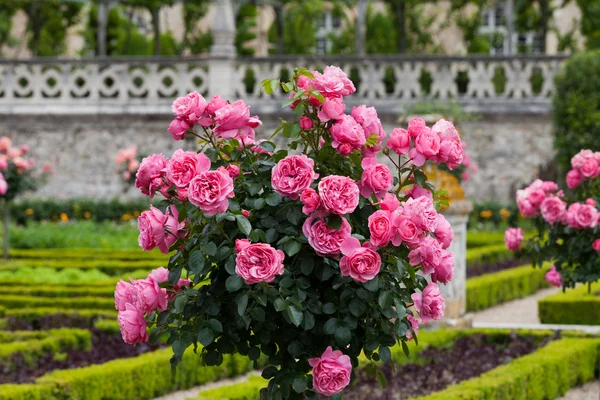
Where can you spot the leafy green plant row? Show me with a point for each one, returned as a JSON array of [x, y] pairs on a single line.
[[547, 373], [111, 267], [57, 340], [499, 287], [33, 314], [58, 291], [488, 254], [576, 306], [64, 277], [479, 239], [11, 302], [89, 254]]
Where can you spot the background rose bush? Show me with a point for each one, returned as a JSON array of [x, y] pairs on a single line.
[[292, 253]]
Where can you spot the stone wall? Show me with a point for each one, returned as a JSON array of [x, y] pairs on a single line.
[[510, 150]]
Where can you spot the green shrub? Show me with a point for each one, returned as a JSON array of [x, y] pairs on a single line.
[[50, 276], [57, 291], [575, 306], [20, 336], [107, 325], [11, 302], [575, 107], [492, 289], [488, 254], [247, 390], [111, 267], [477, 239], [89, 254], [58, 340], [27, 392], [32, 314], [488, 214], [547, 373]]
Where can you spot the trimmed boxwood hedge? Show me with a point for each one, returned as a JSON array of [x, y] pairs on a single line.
[[33, 314], [14, 302], [575, 307], [515, 283], [86, 254], [58, 291], [488, 254], [547, 373], [479, 239], [111, 267]]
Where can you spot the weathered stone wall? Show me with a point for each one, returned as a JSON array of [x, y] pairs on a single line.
[[510, 150]]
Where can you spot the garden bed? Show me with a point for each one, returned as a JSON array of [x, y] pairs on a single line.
[[575, 307], [478, 269]]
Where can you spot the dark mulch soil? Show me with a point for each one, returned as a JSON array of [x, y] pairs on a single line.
[[105, 347], [482, 269], [441, 367]]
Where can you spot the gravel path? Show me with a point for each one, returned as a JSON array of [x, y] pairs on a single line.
[[193, 392], [521, 311], [589, 391]]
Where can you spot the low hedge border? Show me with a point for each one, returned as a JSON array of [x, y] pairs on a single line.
[[547, 373], [488, 254], [87, 254], [58, 340], [15, 302], [499, 287], [33, 315], [479, 239], [20, 336], [111, 267], [66, 282], [58, 291], [573, 307]]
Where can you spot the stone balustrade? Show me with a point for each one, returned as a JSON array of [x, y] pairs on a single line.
[[148, 85]]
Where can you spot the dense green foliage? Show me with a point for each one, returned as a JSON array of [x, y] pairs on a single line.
[[488, 254], [576, 107], [499, 287], [580, 306]]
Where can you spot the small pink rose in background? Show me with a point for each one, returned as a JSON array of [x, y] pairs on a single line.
[[3, 185], [5, 144], [376, 178], [347, 135], [513, 238], [246, 213], [178, 128], [331, 372], [430, 303], [258, 262], [233, 170], [311, 200], [574, 178], [553, 209], [553, 277], [305, 123], [444, 271], [399, 141], [596, 245], [339, 194], [361, 263], [211, 191], [415, 327], [443, 232], [381, 228], [133, 325], [293, 175], [590, 202], [324, 240]]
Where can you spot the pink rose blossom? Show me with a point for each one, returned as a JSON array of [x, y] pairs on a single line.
[[123, 295], [160, 275], [590, 202], [376, 178], [333, 82], [293, 175], [258, 262], [241, 244], [149, 295], [553, 209], [430, 303], [414, 324], [381, 228], [444, 271], [5, 144], [443, 232], [184, 166], [347, 135], [362, 263], [536, 197], [159, 230], [3, 185], [368, 119], [211, 190], [422, 212], [574, 178], [416, 126], [150, 175], [553, 277], [133, 325], [305, 123], [208, 118], [513, 238], [177, 128], [331, 372], [324, 240], [189, 107], [451, 151], [428, 254], [125, 154], [418, 191], [406, 231], [246, 213], [390, 202], [339, 194], [399, 141], [234, 121], [427, 147], [233, 170], [524, 205], [579, 159], [311, 201], [596, 245], [583, 216], [332, 109], [590, 168]]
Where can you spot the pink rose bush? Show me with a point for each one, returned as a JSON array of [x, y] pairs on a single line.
[[270, 246], [566, 223], [128, 162], [18, 172]]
